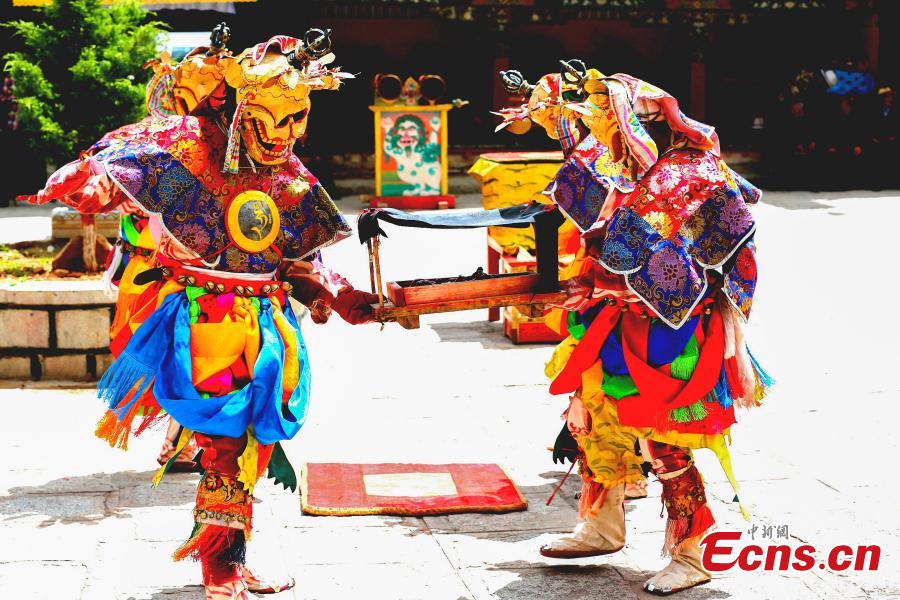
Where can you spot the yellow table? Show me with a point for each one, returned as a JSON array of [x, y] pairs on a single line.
[[510, 178]]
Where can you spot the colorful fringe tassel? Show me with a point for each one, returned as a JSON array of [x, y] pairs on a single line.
[[116, 431], [125, 376], [686, 414], [764, 381], [225, 544], [721, 391], [115, 425]]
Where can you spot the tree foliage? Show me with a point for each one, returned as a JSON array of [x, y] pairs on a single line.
[[79, 73]]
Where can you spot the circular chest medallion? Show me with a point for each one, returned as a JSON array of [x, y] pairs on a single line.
[[252, 221]]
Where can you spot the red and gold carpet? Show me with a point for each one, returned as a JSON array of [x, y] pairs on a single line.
[[340, 489]]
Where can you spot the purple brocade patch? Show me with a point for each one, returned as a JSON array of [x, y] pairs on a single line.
[[578, 193], [669, 273], [740, 280]]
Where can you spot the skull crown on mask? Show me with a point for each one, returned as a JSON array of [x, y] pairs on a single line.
[[272, 83]]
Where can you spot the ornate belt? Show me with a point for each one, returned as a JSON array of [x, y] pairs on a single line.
[[216, 283], [132, 249]]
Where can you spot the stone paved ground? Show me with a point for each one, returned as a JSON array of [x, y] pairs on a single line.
[[79, 520]]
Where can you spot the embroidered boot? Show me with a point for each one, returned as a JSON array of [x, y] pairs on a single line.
[[690, 518]]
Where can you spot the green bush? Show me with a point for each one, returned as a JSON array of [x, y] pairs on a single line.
[[79, 74]]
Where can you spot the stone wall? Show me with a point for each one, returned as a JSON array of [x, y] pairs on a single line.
[[54, 330]]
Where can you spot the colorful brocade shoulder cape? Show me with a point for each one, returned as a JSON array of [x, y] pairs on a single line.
[[687, 215], [172, 167]]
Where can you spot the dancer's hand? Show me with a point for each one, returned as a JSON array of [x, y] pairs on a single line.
[[578, 418], [309, 290], [168, 448], [166, 452], [355, 306]]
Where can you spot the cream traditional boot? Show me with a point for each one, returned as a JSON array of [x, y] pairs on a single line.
[[600, 533], [684, 571]]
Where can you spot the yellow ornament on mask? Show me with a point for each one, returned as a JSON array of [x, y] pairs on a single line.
[[198, 77], [272, 81]]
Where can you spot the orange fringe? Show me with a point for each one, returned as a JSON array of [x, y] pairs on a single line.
[[116, 431], [679, 531]]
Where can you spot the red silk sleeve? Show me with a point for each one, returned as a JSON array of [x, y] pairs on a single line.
[[82, 184]]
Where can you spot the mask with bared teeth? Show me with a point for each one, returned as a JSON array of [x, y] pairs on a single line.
[[272, 83]]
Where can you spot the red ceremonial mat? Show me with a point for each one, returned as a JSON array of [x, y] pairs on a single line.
[[340, 489]]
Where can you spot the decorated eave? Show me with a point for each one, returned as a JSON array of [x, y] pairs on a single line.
[[503, 12], [155, 4]]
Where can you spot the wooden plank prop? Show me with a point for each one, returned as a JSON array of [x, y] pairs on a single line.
[[405, 301]]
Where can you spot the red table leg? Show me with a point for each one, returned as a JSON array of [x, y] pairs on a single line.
[[493, 266]]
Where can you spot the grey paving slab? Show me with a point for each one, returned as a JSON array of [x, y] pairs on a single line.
[[381, 582], [557, 517], [41, 580], [509, 550], [139, 566], [372, 545], [569, 582], [108, 591]]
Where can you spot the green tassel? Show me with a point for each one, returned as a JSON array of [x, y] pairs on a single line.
[[688, 414], [680, 414], [193, 292], [196, 529], [618, 386], [698, 410], [684, 364], [165, 470]]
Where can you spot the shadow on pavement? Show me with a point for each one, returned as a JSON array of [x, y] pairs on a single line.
[[488, 334], [817, 200], [585, 581], [90, 499], [187, 592]]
